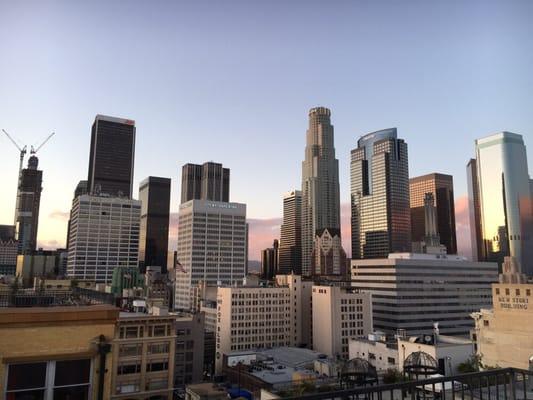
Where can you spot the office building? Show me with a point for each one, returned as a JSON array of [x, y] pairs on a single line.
[[290, 242], [474, 210], [381, 218], [154, 194], [209, 181], [104, 235], [506, 217], [28, 203], [8, 250], [269, 261], [502, 333], [111, 157], [56, 352], [430, 243], [81, 188], [441, 187], [211, 247], [320, 183], [339, 314], [329, 257], [143, 353], [421, 289]]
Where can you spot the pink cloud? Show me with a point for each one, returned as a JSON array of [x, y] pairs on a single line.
[[462, 226], [59, 215]]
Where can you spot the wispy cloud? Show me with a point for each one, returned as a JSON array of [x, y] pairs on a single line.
[[59, 215]]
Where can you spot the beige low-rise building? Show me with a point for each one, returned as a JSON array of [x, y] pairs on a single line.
[[339, 314], [503, 335], [60, 348], [144, 356]]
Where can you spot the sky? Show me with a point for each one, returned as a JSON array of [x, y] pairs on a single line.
[[232, 82]]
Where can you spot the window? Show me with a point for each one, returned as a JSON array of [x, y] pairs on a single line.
[[157, 366], [158, 348], [485, 322], [371, 356], [127, 387], [391, 360], [130, 350], [128, 368], [49, 380]]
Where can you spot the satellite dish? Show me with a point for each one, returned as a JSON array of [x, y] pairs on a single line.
[[427, 338]]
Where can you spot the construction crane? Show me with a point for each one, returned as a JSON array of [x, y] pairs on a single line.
[[33, 151], [22, 154]]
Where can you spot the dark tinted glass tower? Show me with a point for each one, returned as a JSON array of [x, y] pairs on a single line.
[[320, 182], [29, 200], [111, 157], [441, 187], [209, 181], [154, 194], [290, 243], [381, 217]]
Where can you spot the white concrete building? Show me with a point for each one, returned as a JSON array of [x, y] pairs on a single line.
[[377, 349], [412, 291], [212, 243], [104, 235], [339, 314]]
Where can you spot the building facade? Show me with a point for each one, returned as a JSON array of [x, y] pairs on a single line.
[[104, 235], [251, 318], [290, 242], [379, 172], [28, 204], [154, 194], [111, 156], [320, 182], [65, 360], [339, 314], [412, 291], [209, 181], [329, 257], [189, 360], [40, 264], [441, 187], [506, 217], [211, 247], [143, 353], [503, 334], [8, 250]]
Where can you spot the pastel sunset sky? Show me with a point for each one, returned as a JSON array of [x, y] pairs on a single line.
[[232, 82]]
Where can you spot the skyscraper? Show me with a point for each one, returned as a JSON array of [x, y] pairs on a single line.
[[269, 261], [474, 210], [111, 156], [209, 181], [290, 242], [104, 235], [81, 188], [29, 200], [320, 183], [441, 187], [381, 218], [506, 222], [211, 247], [154, 194]]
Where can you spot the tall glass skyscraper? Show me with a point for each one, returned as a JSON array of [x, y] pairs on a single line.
[[381, 216], [320, 182], [506, 219], [209, 181]]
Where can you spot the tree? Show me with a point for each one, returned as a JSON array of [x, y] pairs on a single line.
[[392, 375], [473, 364]]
